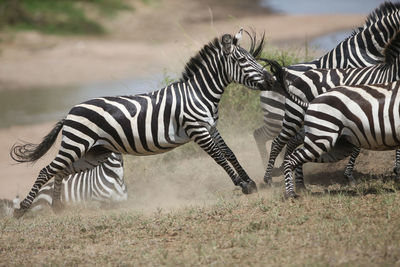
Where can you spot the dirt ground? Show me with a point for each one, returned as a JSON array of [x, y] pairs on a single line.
[[151, 37]]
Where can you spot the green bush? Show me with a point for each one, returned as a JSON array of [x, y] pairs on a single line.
[[56, 16]]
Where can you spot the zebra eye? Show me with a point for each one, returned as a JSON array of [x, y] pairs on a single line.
[[241, 59]]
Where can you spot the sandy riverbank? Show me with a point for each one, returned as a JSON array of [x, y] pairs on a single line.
[[151, 38]]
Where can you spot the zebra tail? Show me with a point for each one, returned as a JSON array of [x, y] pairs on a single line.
[[280, 74], [29, 152]]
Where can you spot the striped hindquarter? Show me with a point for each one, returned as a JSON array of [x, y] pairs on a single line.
[[103, 183], [314, 82], [365, 47], [317, 81], [364, 116]]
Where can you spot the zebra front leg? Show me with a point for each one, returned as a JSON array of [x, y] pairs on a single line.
[[44, 176], [230, 156], [203, 138], [294, 142], [348, 173], [276, 148], [292, 161], [396, 168]]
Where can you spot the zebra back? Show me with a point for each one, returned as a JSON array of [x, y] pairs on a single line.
[[365, 46]]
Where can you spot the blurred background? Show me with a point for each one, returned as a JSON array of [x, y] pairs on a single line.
[[55, 54], [74, 50]]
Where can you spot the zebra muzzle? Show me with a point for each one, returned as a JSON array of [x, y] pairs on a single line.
[[267, 82]]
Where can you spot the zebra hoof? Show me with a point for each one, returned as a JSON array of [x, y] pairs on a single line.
[[249, 188], [291, 195], [396, 171], [268, 180], [350, 180]]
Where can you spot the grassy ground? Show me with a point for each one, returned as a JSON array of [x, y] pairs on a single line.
[[350, 227], [184, 210]]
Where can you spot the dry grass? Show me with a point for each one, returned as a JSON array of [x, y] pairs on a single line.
[[183, 210]]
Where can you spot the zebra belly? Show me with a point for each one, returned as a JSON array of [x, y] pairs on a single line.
[[366, 140], [150, 144]]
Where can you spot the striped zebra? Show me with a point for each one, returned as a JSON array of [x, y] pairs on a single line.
[[101, 183], [362, 49], [317, 81], [157, 122], [365, 116]]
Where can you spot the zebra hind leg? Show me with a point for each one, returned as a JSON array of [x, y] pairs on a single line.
[[293, 161], [396, 168], [276, 148], [56, 204], [348, 173], [294, 142], [44, 176]]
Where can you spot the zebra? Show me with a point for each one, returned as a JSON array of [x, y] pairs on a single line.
[[363, 48], [148, 124], [317, 81], [365, 116], [103, 183]]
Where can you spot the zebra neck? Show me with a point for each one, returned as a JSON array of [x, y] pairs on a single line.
[[207, 87]]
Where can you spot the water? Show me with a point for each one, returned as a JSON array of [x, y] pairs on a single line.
[[38, 105], [329, 41], [317, 7], [44, 104], [313, 7]]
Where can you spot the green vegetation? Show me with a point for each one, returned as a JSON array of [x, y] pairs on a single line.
[[57, 17]]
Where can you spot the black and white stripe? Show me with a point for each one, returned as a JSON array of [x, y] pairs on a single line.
[[365, 116], [157, 122], [102, 183], [317, 81], [362, 49]]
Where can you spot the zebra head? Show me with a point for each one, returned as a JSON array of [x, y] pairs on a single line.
[[242, 66]]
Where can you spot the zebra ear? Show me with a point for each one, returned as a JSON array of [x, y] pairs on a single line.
[[238, 36], [227, 43]]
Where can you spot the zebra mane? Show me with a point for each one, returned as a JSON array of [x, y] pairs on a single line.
[[392, 49], [198, 60], [380, 12], [280, 75], [193, 64]]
